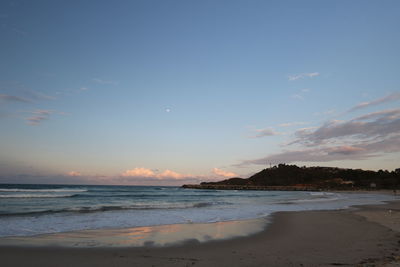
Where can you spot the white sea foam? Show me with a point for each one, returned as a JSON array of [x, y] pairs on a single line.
[[107, 208], [41, 190], [314, 200], [35, 195], [321, 194]]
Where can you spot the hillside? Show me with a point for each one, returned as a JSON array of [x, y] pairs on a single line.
[[293, 176]]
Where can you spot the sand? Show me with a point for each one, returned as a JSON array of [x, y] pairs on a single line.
[[366, 236]]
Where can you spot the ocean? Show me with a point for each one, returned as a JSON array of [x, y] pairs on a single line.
[[28, 210]]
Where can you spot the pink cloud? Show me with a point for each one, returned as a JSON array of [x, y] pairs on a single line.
[[223, 173], [139, 172], [389, 98], [346, 150], [74, 173], [172, 174], [41, 115], [144, 172]]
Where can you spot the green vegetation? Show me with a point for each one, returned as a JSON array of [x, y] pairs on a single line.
[[318, 177]]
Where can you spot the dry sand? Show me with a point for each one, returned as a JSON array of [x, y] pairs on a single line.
[[368, 236]]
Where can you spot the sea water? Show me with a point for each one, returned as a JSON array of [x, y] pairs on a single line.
[[27, 210]]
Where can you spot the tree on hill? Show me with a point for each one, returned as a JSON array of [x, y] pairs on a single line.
[[324, 177]]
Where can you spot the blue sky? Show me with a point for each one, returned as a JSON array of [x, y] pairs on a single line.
[[168, 92]]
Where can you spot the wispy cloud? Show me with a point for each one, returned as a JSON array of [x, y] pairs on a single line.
[[101, 81], [360, 151], [301, 94], [329, 112], [41, 115], [289, 124], [295, 77], [39, 95], [265, 132], [372, 125], [223, 173], [12, 98], [389, 98], [362, 137], [19, 31], [25, 96], [12, 27], [297, 96], [36, 120]]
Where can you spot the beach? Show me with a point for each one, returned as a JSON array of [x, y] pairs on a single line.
[[361, 236]]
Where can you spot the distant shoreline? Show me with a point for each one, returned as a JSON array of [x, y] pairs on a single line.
[[282, 188], [285, 177]]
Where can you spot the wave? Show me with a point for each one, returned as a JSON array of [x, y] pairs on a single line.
[[131, 195], [321, 194], [42, 190], [35, 195], [111, 208], [309, 200]]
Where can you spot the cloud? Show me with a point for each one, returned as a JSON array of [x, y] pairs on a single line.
[[372, 125], [324, 154], [366, 136], [43, 112], [144, 172], [389, 98], [146, 176], [28, 96], [101, 81], [19, 31], [297, 96], [138, 172], [38, 95], [91, 179], [74, 173], [11, 98], [41, 115], [289, 124], [345, 150], [172, 174], [223, 173], [300, 95], [360, 151], [36, 120], [265, 132], [136, 176], [302, 76]]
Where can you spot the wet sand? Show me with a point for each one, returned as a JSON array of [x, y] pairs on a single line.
[[149, 236], [367, 236]]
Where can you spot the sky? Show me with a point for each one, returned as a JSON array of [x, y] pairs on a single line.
[[172, 92]]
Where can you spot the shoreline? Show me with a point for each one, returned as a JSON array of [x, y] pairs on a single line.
[[355, 236], [160, 235], [156, 236]]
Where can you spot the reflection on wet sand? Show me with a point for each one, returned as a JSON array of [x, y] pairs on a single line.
[[162, 235]]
